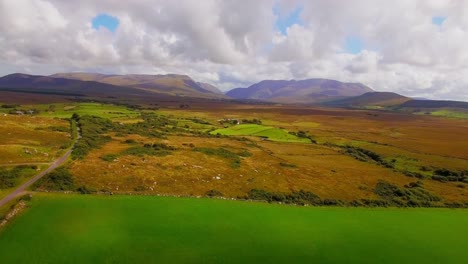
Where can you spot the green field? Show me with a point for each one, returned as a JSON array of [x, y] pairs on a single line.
[[145, 229], [449, 113], [102, 110], [272, 133]]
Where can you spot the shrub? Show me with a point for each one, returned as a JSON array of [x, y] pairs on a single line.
[[214, 193], [85, 190], [366, 156], [296, 197], [9, 177], [413, 195], [157, 149], [287, 165], [59, 179], [92, 130], [109, 157]]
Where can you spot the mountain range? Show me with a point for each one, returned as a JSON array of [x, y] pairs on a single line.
[[174, 87], [302, 91]]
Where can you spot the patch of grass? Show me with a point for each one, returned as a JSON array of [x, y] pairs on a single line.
[[145, 229], [271, 133], [225, 154], [450, 114], [108, 111]]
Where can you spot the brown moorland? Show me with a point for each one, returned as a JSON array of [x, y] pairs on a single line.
[[415, 146]]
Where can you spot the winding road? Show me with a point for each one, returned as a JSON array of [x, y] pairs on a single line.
[[52, 166]]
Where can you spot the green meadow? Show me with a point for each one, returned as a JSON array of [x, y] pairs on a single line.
[[110, 111], [451, 114], [149, 229], [272, 133]]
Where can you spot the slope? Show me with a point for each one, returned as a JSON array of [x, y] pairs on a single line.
[[302, 91]]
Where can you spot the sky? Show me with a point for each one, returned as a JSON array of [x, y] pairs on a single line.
[[415, 48]]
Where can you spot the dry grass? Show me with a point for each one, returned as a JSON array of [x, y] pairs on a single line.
[[413, 141], [28, 139]]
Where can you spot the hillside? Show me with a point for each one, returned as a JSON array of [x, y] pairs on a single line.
[[434, 104], [25, 83], [302, 91], [170, 84], [371, 100]]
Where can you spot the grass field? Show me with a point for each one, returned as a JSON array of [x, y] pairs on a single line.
[[449, 113], [30, 139], [137, 229], [96, 109], [272, 133]]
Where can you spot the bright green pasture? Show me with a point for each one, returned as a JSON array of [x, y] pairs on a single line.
[[448, 113], [96, 109], [272, 133], [145, 229]]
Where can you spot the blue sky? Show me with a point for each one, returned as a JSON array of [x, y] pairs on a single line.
[[438, 20], [105, 20], [353, 44], [283, 22]]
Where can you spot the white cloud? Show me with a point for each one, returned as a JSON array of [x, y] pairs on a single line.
[[235, 43]]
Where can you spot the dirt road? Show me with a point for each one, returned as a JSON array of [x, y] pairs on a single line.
[[23, 187]]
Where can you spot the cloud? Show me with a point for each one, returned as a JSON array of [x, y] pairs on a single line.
[[231, 43]]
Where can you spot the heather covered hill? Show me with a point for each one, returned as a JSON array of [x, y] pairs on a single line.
[[434, 104], [170, 84], [371, 99], [302, 91], [25, 83]]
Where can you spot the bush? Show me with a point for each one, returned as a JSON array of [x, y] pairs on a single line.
[[92, 131], [157, 149], [366, 156], [109, 157], [59, 179], [444, 175], [296, 197], [214, 193], [287, 165], [413, 195], [9, 177], [85, 190]]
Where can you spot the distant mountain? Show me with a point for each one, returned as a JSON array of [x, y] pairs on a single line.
[[25, 83], [303, 91], [371, 99], [170, 84], [210, 88], [434, 104]]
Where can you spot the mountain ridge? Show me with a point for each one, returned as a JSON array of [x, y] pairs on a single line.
[[299, 91], [171, 84]]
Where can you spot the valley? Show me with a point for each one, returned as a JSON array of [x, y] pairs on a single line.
[[147, 162]]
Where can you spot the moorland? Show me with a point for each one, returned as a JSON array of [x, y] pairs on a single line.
[[362, 162]]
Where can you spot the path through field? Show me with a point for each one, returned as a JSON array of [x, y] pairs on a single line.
[[24, 186]]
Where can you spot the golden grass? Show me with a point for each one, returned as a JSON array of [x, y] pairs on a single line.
[[27, 139]]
